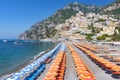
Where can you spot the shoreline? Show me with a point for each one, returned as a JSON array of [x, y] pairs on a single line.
[[10, 73], [17, 69]]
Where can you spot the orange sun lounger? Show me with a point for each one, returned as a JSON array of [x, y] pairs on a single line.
[[57, 69], [115, 69], [82, 70]]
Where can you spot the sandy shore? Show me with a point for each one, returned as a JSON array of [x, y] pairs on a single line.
[[70, 72]]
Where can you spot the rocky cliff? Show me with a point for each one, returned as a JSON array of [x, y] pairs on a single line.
[[46, 28], [113, 8]]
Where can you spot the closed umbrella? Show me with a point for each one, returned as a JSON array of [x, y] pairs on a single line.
[[13, 78], [19, 75], [26, 71]]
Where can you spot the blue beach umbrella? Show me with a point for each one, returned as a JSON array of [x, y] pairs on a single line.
[[40, 60], [44, 57], [26, 71], [35, 64], [28, 68], [16, 76], [13, 78]]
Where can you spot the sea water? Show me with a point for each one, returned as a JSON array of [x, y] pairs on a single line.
[[14, 54]]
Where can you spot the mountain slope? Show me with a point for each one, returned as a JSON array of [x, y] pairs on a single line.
[[113, 8], [46, 28]]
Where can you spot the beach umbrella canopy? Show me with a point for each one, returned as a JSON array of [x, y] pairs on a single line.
[[40, 59], [13, 78], [44, 58], [35, 63], [26, 69], [16, 76]]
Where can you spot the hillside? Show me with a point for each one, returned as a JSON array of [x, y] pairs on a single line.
[[46, 28], [113, 8]]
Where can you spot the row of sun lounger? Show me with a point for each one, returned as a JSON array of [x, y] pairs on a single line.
[[113, 68], [57, 69], [111, 58], [82, 70], [90, 47], [34, 69]]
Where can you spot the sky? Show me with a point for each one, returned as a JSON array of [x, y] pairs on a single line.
[[17, 16]]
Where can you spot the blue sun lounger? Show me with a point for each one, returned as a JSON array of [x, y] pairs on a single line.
[[36, 73]]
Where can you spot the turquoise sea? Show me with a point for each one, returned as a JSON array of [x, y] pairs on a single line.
[[15, 53]]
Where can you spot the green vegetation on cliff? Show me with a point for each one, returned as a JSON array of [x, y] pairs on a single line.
[[46, 28]]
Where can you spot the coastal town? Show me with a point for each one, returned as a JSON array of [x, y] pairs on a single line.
[[84, 24]]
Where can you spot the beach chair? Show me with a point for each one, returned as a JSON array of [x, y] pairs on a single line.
[[36, 73]]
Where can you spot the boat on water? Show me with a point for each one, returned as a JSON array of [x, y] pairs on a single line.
[[5, 41], [16, 42]]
